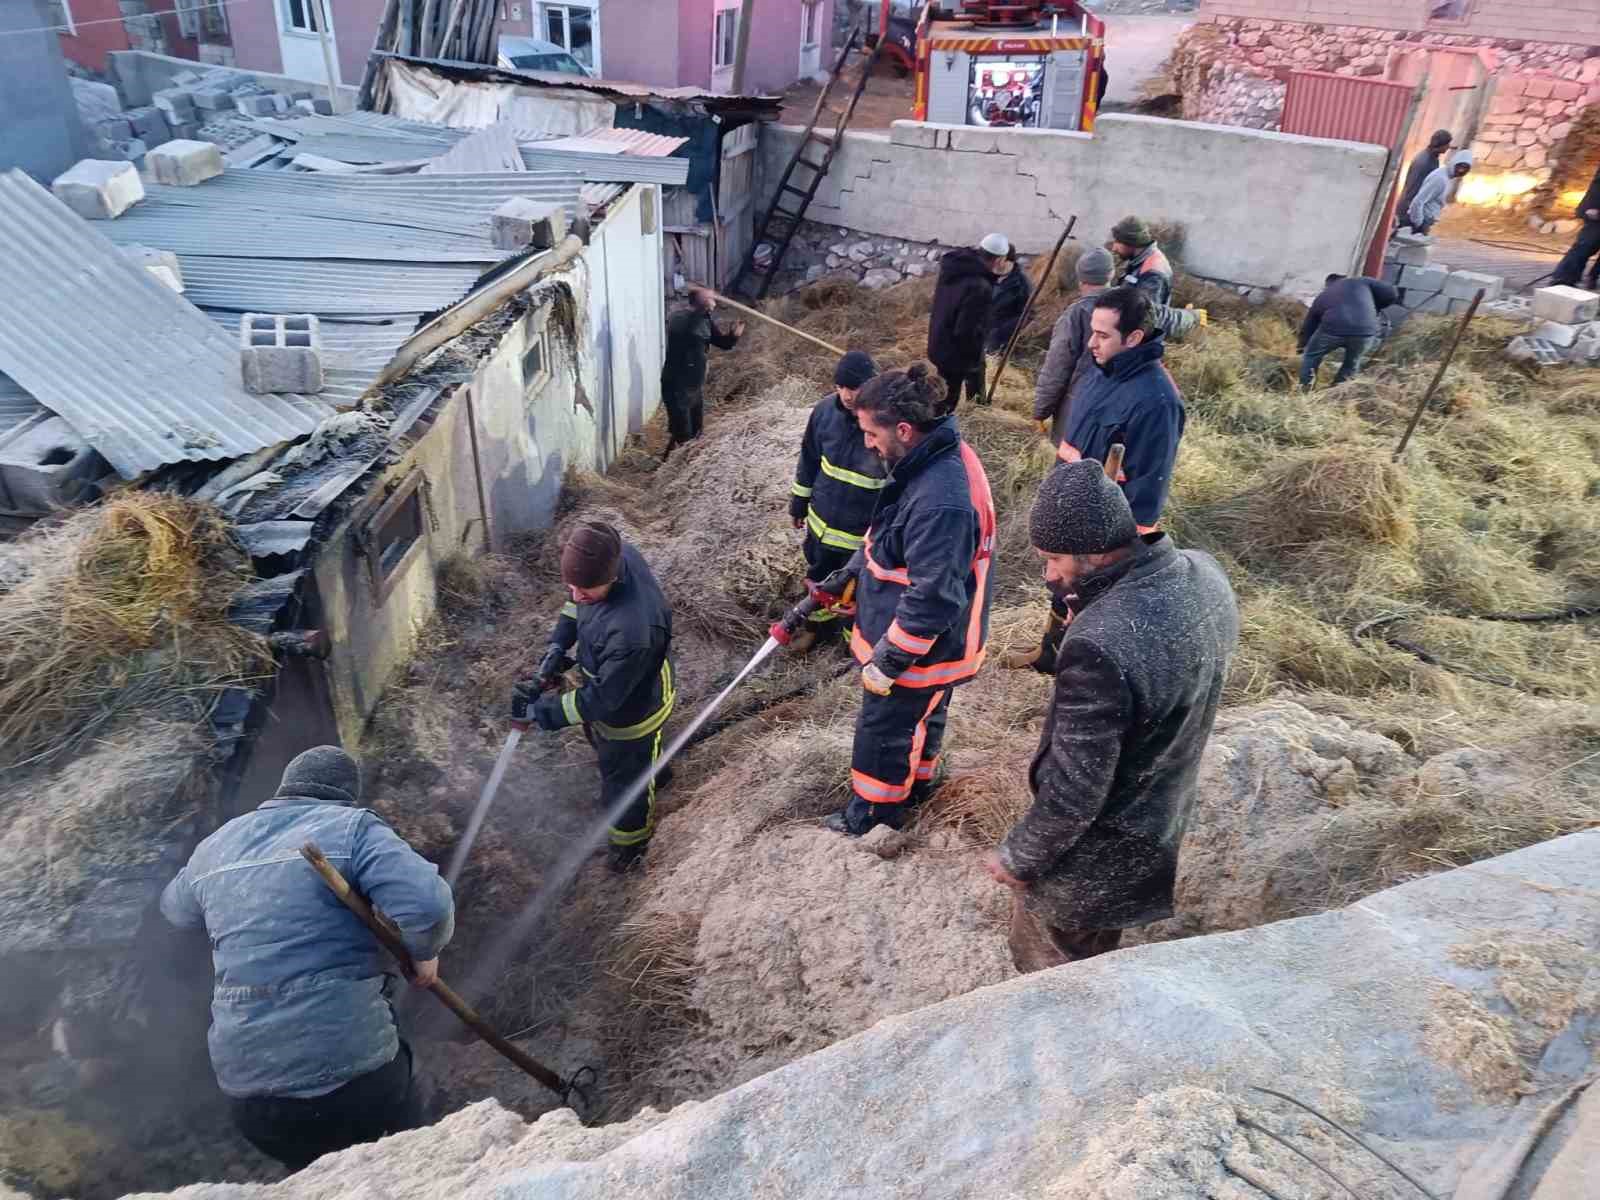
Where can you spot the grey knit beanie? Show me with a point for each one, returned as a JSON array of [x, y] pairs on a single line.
[[1080, 511], [323, 773], [1094, 266]]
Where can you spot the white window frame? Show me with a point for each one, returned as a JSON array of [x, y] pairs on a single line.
[[305, 6], [810, 14], [70, 27], [732, 13], [541, 27], [188, 12], [1467, 7]]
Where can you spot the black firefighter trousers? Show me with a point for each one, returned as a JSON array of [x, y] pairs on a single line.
[[686, 410], [898, 738], [622, 765]]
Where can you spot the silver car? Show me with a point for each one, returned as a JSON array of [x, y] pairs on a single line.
[[530, 54]]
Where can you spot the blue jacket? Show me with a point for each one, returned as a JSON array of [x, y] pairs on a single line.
[[924, 585], [301, 1000], [1133, 401], [837, 480]]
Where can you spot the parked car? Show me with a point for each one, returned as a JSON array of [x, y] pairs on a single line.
[[530, 54]]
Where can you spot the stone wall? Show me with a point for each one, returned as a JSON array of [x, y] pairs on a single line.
[[1218, 89], [1523, 136]]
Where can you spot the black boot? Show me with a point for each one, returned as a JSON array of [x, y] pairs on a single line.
[[922, 789], [622, 859], [858, 817]]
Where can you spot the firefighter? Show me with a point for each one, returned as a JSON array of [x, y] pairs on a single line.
[[1142, 264], [837, 483], [922, 595], [683, 373], [619, 626]]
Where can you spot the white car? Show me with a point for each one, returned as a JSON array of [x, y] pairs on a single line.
[[530, 54]]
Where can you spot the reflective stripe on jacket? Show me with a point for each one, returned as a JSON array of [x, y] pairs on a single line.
[[839, 476], [925, 580]]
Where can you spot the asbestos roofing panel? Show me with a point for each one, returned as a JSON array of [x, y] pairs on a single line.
[[136, 369]]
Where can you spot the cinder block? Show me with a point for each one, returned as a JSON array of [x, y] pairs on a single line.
[[185, 133], [133, 150], [149, 124], [1424, 279], [1534, 350], [213, 99], [176, 103], [1585, 349], [1463, 285], [522, 222], [280, 102], [257, 106], [185, 163], [306, 107], [183, 78], [1561, 336], [915, 133], [300, 94], [1567, 305], [1391, 273], [1438, 303], [163, 264], [117, 129], [98, 189], [1409, 255], [43, 463], [323, 105], [280, 353]]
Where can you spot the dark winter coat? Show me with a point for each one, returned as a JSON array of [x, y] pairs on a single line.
[[838, 480], [959, 322], [1591, 198], [1132, 400], [1005, 308], [1424, 164], [1138, 680], [1151, 273], [1348, 308], [303, 993], [622, 648], [924, 583], [689, 332], [1066, 365]]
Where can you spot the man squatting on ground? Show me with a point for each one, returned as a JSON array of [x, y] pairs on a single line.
[[1138, 677], [683, 370], [303, 1035], [837, 483], [1344, 317], [618, 625], [922, 595]]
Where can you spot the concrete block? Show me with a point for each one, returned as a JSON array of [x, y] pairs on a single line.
[[185, 163], [1463, 285], [149, 124], [522, 222], [1561, 336], [177, 104], [44, 464], [1424, 279], [117, 129], [306, 107], [183, 78], [280, 102], [98, 189], [133, 150], [1585, 350], [1534, 350], [280, 353], [915, 133], [1567, 305], [185, 133], [162, 264], [1409, 255], [300, 94], [1438, 303], [323, 105], [257, 106], [976, 140], [1391, 273], [213, 99]]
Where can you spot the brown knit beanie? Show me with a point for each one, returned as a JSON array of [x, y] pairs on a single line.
[[1080, 511], [591, 555], [1132, 231]]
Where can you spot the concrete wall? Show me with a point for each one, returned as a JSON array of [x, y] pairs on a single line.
[[1265, 209], [1541, 20], [577, 415], [39, 127], [138, 74]]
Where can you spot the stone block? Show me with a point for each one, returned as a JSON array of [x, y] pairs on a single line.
[[1424, 279], [1557, 334], [305, 107], [300, 94], [322, 105], [117, 129], [280, 102], [1409, 254], [162, 264], [213, 99], [1539, 89], [1565, 305], [148, 123], [1463, 285], [1585, 350], [98, 189], [522, 222], [257, 106], [177, 104], [185, 133], [280, 353], [185, 163]]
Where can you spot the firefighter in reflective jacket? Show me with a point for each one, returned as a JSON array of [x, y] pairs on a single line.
[[619, 626], [837, 483], [921, 598]]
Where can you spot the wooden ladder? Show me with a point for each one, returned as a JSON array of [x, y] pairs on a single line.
[[782, 222]]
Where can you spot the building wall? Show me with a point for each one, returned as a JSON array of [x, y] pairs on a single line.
[[255, 36], [917, 182], [641, 50], [39, 127], [91, 43], [695, 21], [1541, 20]]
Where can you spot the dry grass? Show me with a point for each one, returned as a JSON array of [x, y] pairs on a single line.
[[118, 608]]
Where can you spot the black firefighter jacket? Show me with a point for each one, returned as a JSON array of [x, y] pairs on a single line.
[[838, 480], [689, 332], [959, 322], [1138, 678], [622, 646], [924, 583]]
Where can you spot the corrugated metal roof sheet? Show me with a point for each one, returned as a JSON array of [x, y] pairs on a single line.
[[141, 374], [263, 539], [16, 404], [326, 288], [608, 166], [637, 142], [598, 195], [711, 101], [488, 150], [1352, 108]]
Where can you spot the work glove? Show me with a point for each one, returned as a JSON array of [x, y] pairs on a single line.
[[833, 601], [1203, 316], [551, 667], [889, 662], [875, 681], [548, 713], [523, 694], [797, 510]]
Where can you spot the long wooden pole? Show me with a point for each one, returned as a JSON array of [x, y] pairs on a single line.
[[383, 929], [1444, 365], [1027, 308], [761, 316], [741, 46]]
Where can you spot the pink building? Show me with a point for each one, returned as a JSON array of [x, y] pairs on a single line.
[[662, 43]]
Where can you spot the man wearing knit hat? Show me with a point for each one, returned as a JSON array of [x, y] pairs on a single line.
[[837, 483], [1068, 360], [958, 324], [1142, 264], [617, 626], [690, 331], [1138, 676], [303, 1036]]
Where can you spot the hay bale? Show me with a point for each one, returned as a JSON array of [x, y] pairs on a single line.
[[1327, 494]]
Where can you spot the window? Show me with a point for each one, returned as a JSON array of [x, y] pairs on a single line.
[[188, 17], [725, 38], [571, 26], [810, 20], [1449, 10], [300, 17], [536, 352], [394, 534], [59, 14]]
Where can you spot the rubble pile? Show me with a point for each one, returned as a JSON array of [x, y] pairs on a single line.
[[1565, 328]]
